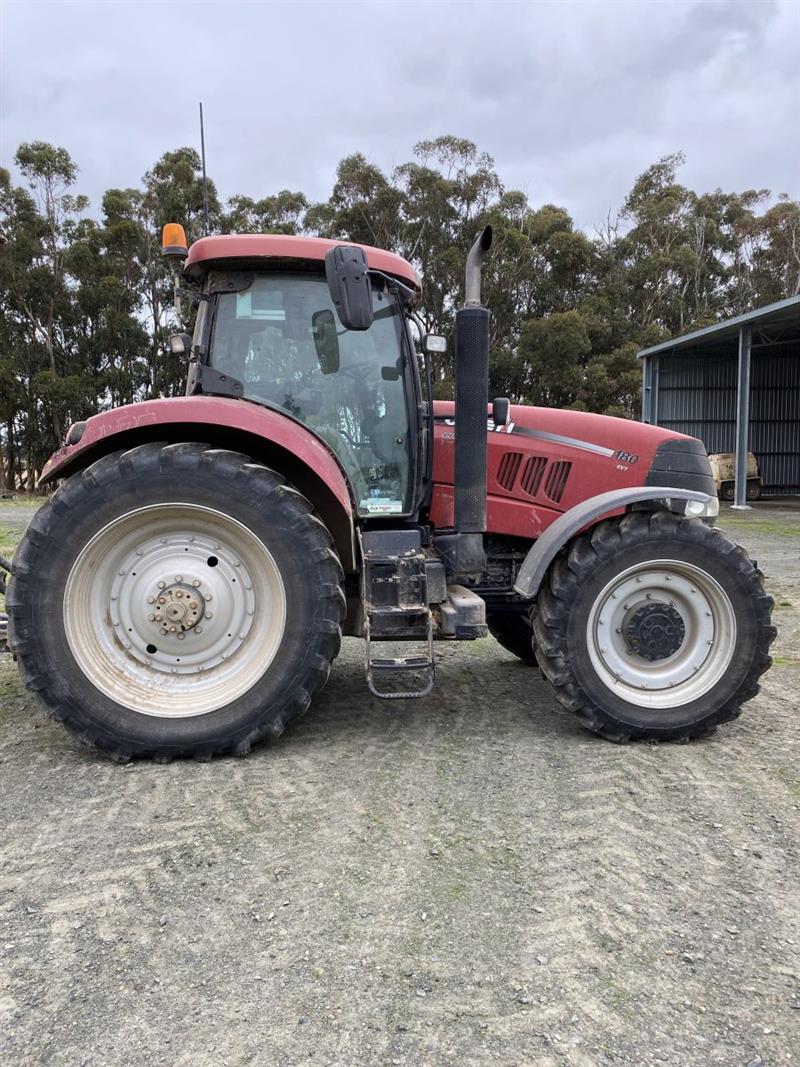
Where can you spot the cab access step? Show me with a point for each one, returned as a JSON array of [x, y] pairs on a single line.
[[406, 598]]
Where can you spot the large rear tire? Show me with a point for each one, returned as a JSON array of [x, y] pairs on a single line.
[[653, 626], [175, 600]]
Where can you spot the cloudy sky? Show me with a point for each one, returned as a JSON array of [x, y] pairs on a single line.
[[573, 100]]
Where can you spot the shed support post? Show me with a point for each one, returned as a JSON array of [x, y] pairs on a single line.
[[650, 389], [742, 416], [646, 386], [654, 384]]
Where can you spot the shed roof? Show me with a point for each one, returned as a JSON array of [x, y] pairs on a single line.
[[781, 313]]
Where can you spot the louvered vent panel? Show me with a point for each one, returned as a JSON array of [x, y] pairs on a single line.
[[508, 469], [557, 480], [532, 475]]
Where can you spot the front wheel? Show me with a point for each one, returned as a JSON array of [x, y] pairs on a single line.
[[175, 600], [653, 626]]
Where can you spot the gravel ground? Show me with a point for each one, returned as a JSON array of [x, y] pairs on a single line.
[[468, 879]]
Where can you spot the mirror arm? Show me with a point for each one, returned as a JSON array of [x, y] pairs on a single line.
[[407, 296]]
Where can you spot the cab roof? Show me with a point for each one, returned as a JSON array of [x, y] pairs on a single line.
[[250, 246]]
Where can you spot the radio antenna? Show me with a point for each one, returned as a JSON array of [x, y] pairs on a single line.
[[205, 180]]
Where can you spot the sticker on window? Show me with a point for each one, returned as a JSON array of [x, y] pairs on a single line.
[[381, 505], [247, 308]]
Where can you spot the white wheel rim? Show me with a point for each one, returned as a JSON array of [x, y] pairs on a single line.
[[174, 610], [701, 643]]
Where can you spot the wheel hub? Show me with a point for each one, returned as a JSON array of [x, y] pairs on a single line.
[[182, 603], [655, 631], [174, 609], [178, 608], [661, 633]]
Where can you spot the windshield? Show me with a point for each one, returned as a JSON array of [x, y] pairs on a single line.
[[282, 340]]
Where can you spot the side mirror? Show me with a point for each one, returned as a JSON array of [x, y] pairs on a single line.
[[431, 342], [180, 344], [501, 409], [348, 282], [326, 341]]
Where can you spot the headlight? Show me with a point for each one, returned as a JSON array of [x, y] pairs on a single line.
[[702, 509]]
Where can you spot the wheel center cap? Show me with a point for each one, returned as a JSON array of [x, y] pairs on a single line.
[[177, 608], [655, 632]]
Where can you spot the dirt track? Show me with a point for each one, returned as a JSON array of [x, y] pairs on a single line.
[[471, 879]]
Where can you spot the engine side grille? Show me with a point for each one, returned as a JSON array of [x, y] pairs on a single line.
[[557, 480], [532, 475], [508, 469]]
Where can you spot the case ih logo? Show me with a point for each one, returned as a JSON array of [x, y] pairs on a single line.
[[626, 457]]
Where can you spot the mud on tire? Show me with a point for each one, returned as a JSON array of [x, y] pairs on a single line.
[[664, 545], [248, 497]]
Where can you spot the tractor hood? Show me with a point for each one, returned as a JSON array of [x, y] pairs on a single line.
[[581, 431], [555, 459]]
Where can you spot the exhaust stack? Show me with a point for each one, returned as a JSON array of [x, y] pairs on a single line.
[[472, 401]]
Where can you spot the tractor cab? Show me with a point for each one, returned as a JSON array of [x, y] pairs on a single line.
[[283, 323], [280, 338]]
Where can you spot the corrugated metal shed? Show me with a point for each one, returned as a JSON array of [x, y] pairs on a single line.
[[736, 386]]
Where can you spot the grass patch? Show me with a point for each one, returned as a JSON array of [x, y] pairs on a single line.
[[762, 526], [9, 539], [10, 685], [24, 500], [785, 661]]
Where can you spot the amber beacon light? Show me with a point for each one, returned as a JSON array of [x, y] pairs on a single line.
[[173, 241]]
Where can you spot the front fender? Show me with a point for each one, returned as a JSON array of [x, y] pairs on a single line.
[[546, 548], [266, 435]]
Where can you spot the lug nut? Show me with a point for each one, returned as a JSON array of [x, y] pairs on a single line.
[[198, 629], [151, 600], [151, 618], [178, 577], [161, 585], [181, 636], [196, 582]]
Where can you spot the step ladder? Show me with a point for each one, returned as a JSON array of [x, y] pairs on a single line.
[[381, 666], [395, 599]]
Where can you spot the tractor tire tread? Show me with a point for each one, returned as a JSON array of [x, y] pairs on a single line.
[[562, 582], [314, 541]]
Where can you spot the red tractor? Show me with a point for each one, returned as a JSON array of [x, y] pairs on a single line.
[[185, 590]]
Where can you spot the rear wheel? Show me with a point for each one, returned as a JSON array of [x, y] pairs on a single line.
[[176, 600], [513, 631], [653, 626], [754, 489]]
